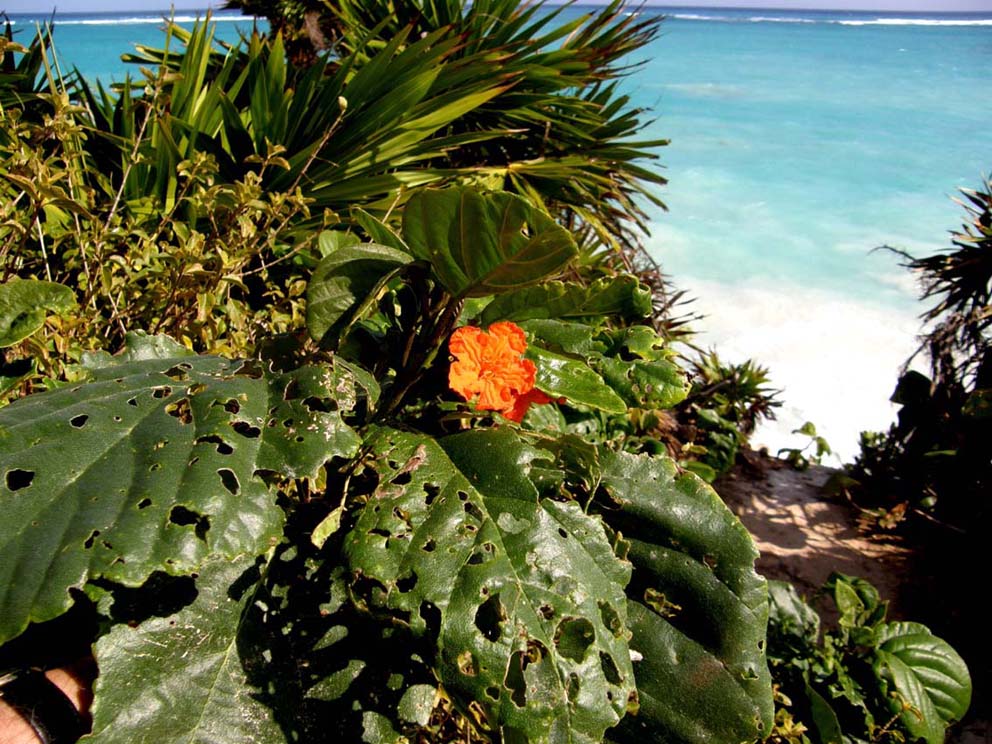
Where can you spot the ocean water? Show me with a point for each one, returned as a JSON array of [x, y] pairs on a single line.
[[801, 140]]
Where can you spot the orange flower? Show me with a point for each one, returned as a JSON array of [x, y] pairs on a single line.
[[491, 366]]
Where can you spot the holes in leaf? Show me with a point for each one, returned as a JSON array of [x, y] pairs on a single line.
[[155, 466], [573, 637], [91, 539], [184, 517], [572, 687], [230, 480], [432, 492], [320, 405], [232, 406], [223, 448], [610, 669], [380, 532], [246, 430], [462, 496], [710, 561], [611, 619], [514, 680], [250, 368], [562, 532], [431, 616], [546, 611], [132, 402], [178, 372], [489, 618], [162, 392], [474, 510], [180, 409], [402, 479], [144, 503], [407, 582], [79, 421], [492, 692], [761, 645], [18, 479], [466, 664], [429, 546]]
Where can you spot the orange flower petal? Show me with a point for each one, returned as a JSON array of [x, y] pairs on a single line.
[[489, 366]]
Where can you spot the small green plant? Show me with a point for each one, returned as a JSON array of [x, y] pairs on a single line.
[[798, 457], [870, 679], [725, 404]]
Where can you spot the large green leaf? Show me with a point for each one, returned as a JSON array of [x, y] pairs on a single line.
[[927, 674], [24, 305], [620, 296], [523, 596], [344, 279], [152, 466], [481, 244], [698, 610], [181, 678]]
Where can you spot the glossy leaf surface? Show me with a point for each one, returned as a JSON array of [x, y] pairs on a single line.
[[621, 296], [927, 674], [525, 596], [181, 678], [698, 610], [480, 244], [152, 466], [343, 279]]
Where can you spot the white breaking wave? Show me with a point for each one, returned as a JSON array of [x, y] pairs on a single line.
[[918, 22], [136, 21], [837, 359], [835, 21]]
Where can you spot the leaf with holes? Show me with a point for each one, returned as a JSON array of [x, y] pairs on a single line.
[[925, 673], [523, 597], [153, 465], [621, 296], [151, 689], [698, 610], [24, 305], [481, 244]]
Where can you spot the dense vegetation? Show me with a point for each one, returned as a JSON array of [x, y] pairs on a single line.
[[333, 356]]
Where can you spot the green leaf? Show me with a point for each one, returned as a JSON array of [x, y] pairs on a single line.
[[343, 279], [790, 616], [621, 296], [651, 380], [378, 230], [698, 610], [181, 678], [481, 244], [527, 593], [559, 376], [927, 674], [139, 347], [152, 466], [24, 305], [824, 718]]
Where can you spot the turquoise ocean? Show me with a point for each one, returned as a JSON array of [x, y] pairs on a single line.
[[800, 141]]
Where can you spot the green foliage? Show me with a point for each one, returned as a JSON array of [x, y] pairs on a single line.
[[312, 544], [797, 457], [24, 305], [721, 411], [869, 679]]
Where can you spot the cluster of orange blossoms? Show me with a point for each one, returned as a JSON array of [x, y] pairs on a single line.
[[490, 365]]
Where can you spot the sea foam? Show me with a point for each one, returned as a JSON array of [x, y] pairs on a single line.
[[836, 360]]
